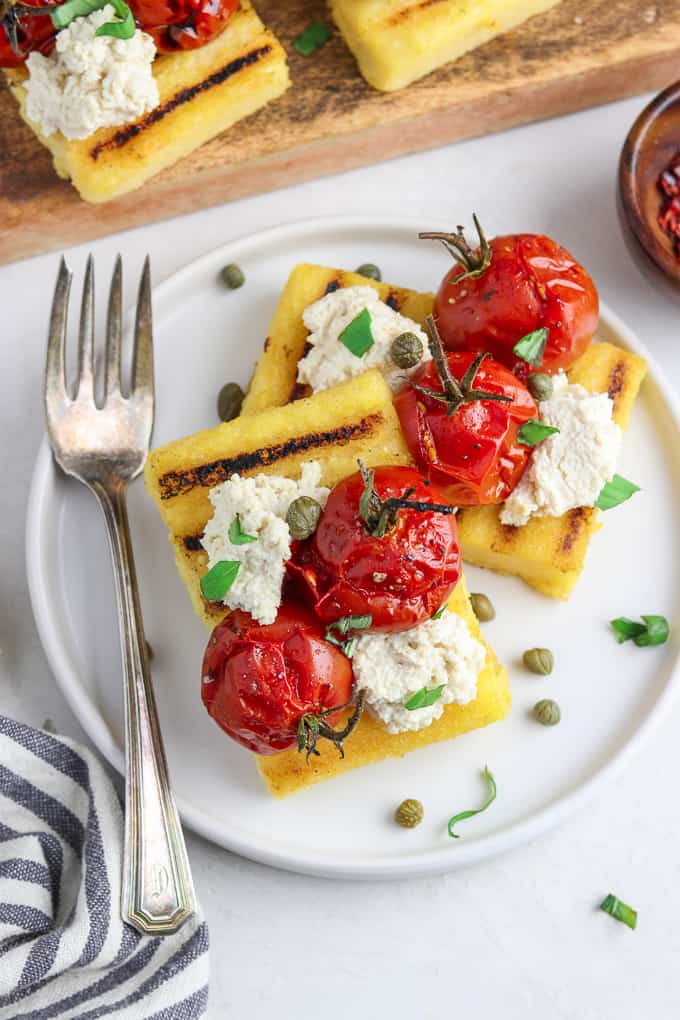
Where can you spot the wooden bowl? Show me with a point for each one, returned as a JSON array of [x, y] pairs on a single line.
[[652, 142]]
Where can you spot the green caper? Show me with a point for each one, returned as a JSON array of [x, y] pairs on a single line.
[[539, 660], [229, 401], [370, 271], [406, 350], [540, 386], [547, 712], [409, 813], [303, 517], [233, 276], [482, 607]]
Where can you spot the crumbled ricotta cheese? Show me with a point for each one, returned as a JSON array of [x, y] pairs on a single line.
[[390, 668], [570, 468], [89, 81], [329, 362], [261, 502]]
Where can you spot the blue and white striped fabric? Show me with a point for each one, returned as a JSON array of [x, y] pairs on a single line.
[[64, 951]]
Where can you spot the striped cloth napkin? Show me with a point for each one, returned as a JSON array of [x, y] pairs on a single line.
[[64, 951]]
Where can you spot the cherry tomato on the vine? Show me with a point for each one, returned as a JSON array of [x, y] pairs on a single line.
[[381, 551], [510, 287], [259, 681], [462, 429], [29, 33]]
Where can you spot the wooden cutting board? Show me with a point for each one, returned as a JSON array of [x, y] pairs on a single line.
[[576, 56]]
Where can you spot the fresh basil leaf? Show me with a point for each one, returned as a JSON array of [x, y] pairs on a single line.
[[124, 27], [440, 612], [217, 582], [656, 632], [67, 12], [343, 626], [531, 347], [619, 910], [491, 796], [237, 535], [347, 623], [534, 432], [653, 630], [312, 37], [357, 336], [615, 492], [625, 629], [424, 698]]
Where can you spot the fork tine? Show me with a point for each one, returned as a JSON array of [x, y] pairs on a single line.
[[85, 381], [55, 372], [114, 328], [142, 363]]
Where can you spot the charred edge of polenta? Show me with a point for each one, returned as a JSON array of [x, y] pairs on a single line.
[[176, 483]]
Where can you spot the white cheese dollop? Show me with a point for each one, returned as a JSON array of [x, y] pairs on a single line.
[[570, 468], [330, 362], [261, 502], [390, 668], [89, 81]]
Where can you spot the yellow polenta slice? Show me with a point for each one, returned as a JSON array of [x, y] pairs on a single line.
[[549, 552], [397, 41], [274, 382], [354, 420], [202, 93], [288, 772]]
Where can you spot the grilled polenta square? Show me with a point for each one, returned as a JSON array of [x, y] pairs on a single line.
[[336, 428], [202, 93], [548, 552], [274, 381], [397, 41], [288, 772], [354, 420]]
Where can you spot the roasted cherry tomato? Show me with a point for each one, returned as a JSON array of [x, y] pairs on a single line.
[[260, 682], [21, 33], [461, 413], [182, 24], [381, 551], [510, 287]]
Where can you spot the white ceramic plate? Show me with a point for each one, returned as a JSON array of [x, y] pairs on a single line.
[[611, 695]]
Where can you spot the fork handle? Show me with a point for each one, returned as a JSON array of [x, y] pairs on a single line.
[[157, 892]]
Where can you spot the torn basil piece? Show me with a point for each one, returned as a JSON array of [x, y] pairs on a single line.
[[424, 698], [219, 579], [615, 492], [357, 336]]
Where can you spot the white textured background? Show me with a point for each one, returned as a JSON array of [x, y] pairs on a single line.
[[520, 937]]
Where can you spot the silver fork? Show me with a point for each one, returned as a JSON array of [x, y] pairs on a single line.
[[105, 448]]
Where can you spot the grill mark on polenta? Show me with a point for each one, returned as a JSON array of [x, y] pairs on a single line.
[[575, 521], [120, 138], [509, 533], [175, 483], [300, 389], [192, 543], [332, 286], [617, 382], [393, 300], [407, 12]]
